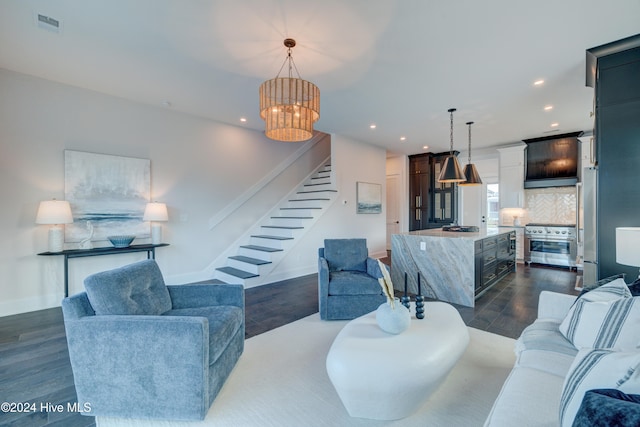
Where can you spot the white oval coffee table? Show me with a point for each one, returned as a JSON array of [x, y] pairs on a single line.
[[387, 377]]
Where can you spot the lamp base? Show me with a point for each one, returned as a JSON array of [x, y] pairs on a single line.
[[56, 239], [156, 233]]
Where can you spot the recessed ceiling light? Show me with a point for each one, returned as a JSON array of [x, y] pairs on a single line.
[[372, 126], [425, 147], [243, 119], [555, 125], [538, 82], [403, 138], [548, 107]]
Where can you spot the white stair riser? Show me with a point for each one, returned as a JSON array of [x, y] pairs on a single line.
[[269, 243], [267, 256], [288, 222], [283, 232], [300, 212], [227, 278], [302, 203], [244, 266]]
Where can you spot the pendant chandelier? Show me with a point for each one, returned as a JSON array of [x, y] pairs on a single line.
[[470, 172], [451, 170], [289, 106]]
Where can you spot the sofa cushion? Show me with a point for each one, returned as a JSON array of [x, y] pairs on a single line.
[[353, 283], [224, 321], [589, 287], [597, 368], [608, 407], [346, 254], [529, 397], [544, 334], [133, 289], [604, 318]]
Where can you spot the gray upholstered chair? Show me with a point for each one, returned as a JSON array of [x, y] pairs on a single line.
[[140, 349], [347, 280]]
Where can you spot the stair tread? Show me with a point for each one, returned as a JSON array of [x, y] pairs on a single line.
[[317, 191], [249, 260], [261, 248], [308, 200], [299, 208], [282, 227], [292, 217], [266, 236], [237, 273]]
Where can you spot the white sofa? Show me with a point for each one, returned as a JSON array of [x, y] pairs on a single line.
[[531, 394], [591, 376]]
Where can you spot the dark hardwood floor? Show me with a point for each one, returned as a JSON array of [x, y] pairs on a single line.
[[34, 361]]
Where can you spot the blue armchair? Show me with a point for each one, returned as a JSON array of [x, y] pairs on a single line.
[[347, 280], [140, 349]]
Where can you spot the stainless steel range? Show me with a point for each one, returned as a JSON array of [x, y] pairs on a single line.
[[551, 244]]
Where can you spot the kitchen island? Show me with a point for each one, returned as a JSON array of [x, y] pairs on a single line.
[[454, 266]]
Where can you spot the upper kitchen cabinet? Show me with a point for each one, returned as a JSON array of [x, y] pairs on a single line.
[[511, 179]]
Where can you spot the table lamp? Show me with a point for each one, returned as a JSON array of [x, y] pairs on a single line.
[[628, 246], [156, 212], [54, 212]]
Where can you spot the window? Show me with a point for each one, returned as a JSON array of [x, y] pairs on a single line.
[[493, 205]]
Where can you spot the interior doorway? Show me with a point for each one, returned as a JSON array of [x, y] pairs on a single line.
[[393, 207]]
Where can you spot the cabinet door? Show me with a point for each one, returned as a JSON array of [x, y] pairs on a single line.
[[444, 196], [512, 186], [419, 201]]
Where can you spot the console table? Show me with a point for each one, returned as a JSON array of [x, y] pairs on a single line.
[[150, 249]]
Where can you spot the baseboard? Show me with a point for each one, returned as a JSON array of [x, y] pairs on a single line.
[[25, 305]]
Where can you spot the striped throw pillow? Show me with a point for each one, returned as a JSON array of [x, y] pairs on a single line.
[[607, 317], [593, 369]]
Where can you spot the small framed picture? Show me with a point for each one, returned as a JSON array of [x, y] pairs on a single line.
[[369, 198]]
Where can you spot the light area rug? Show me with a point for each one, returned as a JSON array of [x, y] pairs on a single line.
[[281, 381]]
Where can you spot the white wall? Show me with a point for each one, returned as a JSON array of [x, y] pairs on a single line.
[[198, 166]]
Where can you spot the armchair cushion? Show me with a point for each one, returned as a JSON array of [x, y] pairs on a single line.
[[346, 254], [223, 324], [353, 283], [133, 289]]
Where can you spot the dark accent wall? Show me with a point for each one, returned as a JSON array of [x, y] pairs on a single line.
[[618, 153]]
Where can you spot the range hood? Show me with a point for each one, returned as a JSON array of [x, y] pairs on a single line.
[[552, 161]]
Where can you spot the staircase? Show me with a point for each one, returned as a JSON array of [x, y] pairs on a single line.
[[277, 235]]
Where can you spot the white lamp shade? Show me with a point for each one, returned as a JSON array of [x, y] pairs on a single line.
[[54, 212], [155, 211], [628, 246]]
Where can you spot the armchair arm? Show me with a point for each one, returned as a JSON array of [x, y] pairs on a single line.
[[373, 269], [191, 296], [140, 366], [553, 305]]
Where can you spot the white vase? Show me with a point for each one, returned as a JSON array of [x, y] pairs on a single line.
[[393, 320]]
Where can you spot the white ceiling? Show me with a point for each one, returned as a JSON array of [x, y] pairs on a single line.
[[400, 64]]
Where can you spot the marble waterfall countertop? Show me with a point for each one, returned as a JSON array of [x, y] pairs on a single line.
[[445, 260], [483, 233]]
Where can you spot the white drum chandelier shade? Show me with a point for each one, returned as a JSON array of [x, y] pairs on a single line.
[[289, 106]]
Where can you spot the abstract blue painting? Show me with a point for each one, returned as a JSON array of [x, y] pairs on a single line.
[[369, 198], [108, 191]]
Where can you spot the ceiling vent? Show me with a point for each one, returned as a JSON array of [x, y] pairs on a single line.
[[48, 23]]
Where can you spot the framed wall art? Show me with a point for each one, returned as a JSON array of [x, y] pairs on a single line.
[[108, 195], [368, 198]]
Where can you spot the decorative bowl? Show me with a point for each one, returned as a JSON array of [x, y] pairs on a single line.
[[121, 241]]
